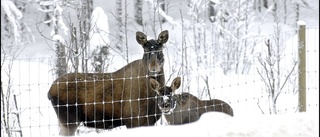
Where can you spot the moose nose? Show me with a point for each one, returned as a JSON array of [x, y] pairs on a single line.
[[154, 66]]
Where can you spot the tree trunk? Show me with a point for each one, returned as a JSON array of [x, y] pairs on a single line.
[[61, 59], [120, 22], [99, 59], [84, 27], [75, 52], [285, 11], [275, 8], [60, 48], [212, 12], [259, 6], [297, 12], [265, 4], [162, 7], [138, 11]]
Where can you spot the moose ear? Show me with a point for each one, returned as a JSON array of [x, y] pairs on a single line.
[[176, 83], [154, 84], [141, 38], [163, 37]]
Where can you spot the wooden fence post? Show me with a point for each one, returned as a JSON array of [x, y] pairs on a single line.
[[302, 65]]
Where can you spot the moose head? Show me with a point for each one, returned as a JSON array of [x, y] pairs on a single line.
[[166, 98], [153, 54]]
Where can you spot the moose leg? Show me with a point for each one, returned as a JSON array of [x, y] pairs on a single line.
[[68, 119], [135, 122], [68, 129], [103, 123], [141, 121]]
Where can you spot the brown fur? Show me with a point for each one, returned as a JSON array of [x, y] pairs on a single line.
[[188, 108], [108, 100]]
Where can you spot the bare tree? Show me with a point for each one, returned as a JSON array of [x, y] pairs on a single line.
[[78, 50], [61, 63], [138, 11], [100, 59], [15, 34], [53, 15], [10, 120], [84, 14], [234, 31], [199, 17], [270, 75], [257, 5], [119, 17], [75, 50], [162, 5], [99, 40], [265, 4], [126, 29], [212, 11], [285, 9], [273, 73]]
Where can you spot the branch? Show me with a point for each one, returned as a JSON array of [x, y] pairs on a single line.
[[269, 61], [260, 107], [162, 13], [169, 77], [207, 84], [267, 74], [295, 64], [269, 46], [263, 79]]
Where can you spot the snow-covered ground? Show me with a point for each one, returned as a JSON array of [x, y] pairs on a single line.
[[214, 124]]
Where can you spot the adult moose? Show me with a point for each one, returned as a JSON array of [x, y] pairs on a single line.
[[184, 108], [108, 100]]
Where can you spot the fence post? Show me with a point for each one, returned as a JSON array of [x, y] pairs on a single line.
[[302, 65]]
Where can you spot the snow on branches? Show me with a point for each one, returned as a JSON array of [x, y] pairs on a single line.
[[13, 14]]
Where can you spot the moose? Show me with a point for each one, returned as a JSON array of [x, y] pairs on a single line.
[[108, 100], [184, 108]]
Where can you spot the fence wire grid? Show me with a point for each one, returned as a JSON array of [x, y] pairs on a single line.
[[26, 110]]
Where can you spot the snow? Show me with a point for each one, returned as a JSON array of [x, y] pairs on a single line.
[[161, 12], [215, 124], [100, 28], [58, 38], [13, 14], [33, 73], [59, 19], [300, 22], [10, 9]]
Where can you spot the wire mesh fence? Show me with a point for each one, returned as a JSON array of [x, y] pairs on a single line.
[[208, 72]]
